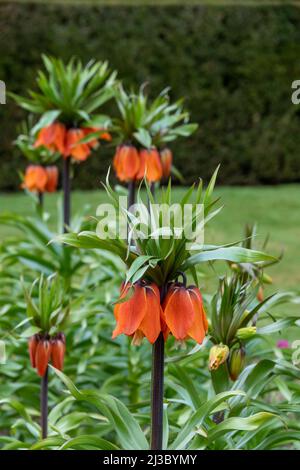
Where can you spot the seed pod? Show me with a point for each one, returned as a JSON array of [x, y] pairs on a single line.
[[32, 345], [42, 356], [217, 355], [236, 362]]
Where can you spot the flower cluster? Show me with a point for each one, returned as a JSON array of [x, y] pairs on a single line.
[[40, 179], [43, 349], [70, 142], [147, 313], [131, 164]]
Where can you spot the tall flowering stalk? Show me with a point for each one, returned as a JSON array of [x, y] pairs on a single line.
[[156, 300], [47, 312], [68, 99]]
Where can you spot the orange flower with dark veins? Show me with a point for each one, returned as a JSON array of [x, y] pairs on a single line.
[[52, 178], [35, 178], [140, 315], [73, 147], [166, 161], [58, 348], [52, 137], [150, 165], [126, 163], [184, 314]]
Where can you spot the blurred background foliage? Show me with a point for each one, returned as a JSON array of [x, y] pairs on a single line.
[[235, 64]]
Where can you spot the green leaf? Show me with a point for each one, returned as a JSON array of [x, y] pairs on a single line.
[[234, 254], [250, 423], [196, 420], [90, 441], [143, 137]]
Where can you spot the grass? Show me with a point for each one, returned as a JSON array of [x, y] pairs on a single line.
[[275, 209]]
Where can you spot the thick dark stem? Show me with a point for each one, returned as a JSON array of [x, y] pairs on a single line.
[[152, 189], [41, 200], [44, 405], [131, 194], [67, 193], [157, 393]]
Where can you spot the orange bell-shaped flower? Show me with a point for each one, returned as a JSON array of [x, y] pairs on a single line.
[[32, 345], [42, 355], [184, 314], [52, 137], [150, 165], [52, 175], [126, 163], [93, 143], [166, 161], [140, 315], [73, 147], [58, 348], [35, 178]]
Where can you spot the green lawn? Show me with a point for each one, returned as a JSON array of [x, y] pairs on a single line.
[[276, 210]]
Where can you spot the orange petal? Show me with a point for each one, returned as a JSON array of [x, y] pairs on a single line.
[[150, 325], [42, 356], [166, 161], [52, 175], [79, 152], [130, 313], [35, 178], [152, 163], [58, 349], [197, 331], [142, 168], [197, 292], [179, 312], [128, 163]]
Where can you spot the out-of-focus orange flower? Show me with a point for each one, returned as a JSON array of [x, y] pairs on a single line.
[[94, 142], [184, 314], [58, 348], [42, 349], [73, 147], [52, 137], [126, 162], [40, 179], [140, 315], [166, 157], [67, 141], [150, 165], [52, 175], [35, 178]]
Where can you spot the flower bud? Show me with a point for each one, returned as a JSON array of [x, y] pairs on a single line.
[[236, 362], [267, 279], [217, 355], [246, 333], [260, 294]]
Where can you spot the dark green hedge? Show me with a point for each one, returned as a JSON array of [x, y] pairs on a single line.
[[235, 66]]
